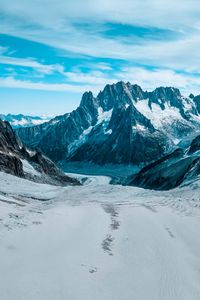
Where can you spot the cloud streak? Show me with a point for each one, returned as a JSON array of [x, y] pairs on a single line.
[[29, 63], [60, 32], [79, 28], [11, 82], [147, 79]]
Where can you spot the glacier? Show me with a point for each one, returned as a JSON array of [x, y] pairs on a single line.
[[98, 241]]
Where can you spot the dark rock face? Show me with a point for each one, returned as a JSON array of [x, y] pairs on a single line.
[[9, 149], [116, 128], [197, 103], [179, 167], [195, 145], [8, 141], [11, 165], [162, 95], [46, 166], [122, 144], [12, 154]]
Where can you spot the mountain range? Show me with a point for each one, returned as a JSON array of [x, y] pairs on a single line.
[[21, 120], [123, 124]]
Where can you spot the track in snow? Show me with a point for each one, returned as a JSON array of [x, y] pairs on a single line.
[[98, 241]]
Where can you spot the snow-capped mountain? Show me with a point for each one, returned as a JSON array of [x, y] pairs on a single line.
[[123, 124], [20, 120], [17, 160]]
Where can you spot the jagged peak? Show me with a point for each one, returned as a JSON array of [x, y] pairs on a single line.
[[86, 96], [113, 87], [167, 90], [191, 96], [90, 106], [116, 94], [88, 99], [163, 95]]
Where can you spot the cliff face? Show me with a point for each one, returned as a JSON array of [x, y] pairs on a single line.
[[17, 160], [179, 167]]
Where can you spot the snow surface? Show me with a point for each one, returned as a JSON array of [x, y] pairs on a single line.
[[104, 116], [158, 116], [139, 127], [98, 241], [109, 131], [28, 168]]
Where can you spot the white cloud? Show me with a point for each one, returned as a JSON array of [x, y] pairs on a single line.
[[52, 22], [151, 79], [11, 82], [92, 78], [182, 53], [80, 82], [30, 63], [161, 13]]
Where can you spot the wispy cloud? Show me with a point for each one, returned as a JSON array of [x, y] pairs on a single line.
[[147, 79], [11, 82], [157, 42], [150, 79], [30, 63], [58, 25]]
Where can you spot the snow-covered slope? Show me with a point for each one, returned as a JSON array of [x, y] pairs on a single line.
[[122, 125], [98, 242]]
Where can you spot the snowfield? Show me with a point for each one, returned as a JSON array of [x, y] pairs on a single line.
[[98, 241]]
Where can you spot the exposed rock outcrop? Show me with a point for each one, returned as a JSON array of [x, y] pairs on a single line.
[[17, 160]]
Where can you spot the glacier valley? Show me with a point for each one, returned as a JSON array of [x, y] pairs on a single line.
[[98, 241]]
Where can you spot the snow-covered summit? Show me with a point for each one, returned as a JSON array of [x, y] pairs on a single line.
[[21, 120]]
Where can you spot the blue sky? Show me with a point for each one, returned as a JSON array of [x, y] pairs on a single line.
[[51, 51]]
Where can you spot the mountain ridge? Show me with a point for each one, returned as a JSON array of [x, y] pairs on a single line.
[[122, 124], [17, 160], [181, 167]]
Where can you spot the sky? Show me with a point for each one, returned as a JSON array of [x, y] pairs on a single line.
[[52, 51]]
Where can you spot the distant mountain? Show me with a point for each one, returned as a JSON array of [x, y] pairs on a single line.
[[122, 125], [180, 167], [20, 120], [19, 161]]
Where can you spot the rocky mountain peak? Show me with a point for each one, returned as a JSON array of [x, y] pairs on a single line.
[[147, 124], [191, 96], [107, 96], [136, 92], [90, 105], [116, 95], [87, 99], [163, 95]]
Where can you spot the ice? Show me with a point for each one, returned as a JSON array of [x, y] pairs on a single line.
[[104, 116], [109, 131]]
